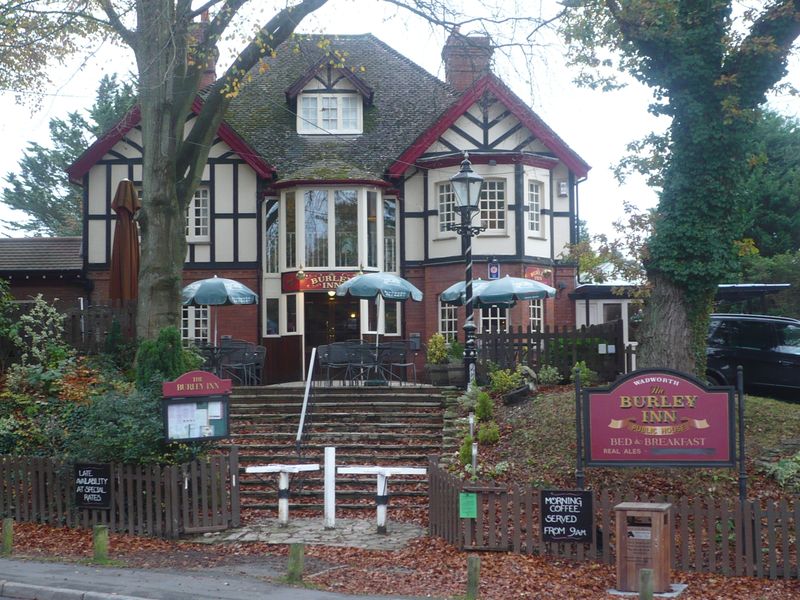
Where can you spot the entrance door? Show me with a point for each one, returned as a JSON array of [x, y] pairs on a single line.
[[329, 319]]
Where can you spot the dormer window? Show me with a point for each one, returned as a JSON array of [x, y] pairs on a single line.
[[329, 113]]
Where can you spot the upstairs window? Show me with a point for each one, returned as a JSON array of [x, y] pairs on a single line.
[[534, 207], [493, 205], [197, 216], [329, 113], [447, 206]]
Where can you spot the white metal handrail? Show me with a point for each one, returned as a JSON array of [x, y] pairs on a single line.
[[309, 377]]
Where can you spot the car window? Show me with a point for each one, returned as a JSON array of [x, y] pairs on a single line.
[[788, 338], [749, 335]]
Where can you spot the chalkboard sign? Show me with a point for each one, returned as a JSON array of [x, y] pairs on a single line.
[[567, 516], [92, 486]]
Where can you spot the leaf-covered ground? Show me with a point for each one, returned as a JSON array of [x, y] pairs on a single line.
[[537, 447], [426, 568]]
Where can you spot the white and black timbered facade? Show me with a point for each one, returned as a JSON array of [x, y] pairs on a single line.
[[322, 170]]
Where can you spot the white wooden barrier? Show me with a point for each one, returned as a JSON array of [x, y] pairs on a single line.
[[283, 484], [382, 495]]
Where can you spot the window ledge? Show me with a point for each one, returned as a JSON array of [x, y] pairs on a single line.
[[537, 236], [198, 242], [493, 234], [446, 238]]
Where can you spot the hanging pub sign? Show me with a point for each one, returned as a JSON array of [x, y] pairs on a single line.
[[195, 407], [93, 486], [566, 515], [659, 417]]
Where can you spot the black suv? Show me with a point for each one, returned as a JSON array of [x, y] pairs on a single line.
[[768, 348]]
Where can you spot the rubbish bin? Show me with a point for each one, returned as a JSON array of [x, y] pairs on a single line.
[[644, 541]]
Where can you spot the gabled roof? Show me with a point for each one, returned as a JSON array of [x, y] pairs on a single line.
[[526, 116], [36, 254], [407, 99], [324, 62], [108, 140]]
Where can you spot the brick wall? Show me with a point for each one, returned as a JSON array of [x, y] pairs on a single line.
[[238, 321], [62, 293]]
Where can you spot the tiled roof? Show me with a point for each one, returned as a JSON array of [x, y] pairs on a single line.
[[40, 254], [407, 100]]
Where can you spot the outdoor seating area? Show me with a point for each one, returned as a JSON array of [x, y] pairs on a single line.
[[240, 361], [361, 363]]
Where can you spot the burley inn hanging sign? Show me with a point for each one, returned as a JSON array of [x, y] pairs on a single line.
[[659, 417]]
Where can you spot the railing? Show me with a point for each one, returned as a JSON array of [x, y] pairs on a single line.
[[714, 535], [600, 346], [149, 500], [305, 413]]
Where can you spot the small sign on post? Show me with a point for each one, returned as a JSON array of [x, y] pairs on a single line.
[[468, 505], [567, 516], [93, 486]]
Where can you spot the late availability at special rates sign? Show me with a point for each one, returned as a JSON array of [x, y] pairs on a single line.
[[567, 516], [659, 417], [92, 486]]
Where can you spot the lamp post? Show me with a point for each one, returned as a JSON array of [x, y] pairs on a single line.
[[467, 188]]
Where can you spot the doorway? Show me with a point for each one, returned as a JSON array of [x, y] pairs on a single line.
[[330, 319]]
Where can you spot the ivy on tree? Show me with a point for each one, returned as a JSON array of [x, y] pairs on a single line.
[[709, 79]]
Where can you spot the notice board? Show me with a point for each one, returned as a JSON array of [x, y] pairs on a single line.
[[195, 407]]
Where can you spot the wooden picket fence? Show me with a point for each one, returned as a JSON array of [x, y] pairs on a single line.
[[600, 346], [147, 500], [87, 329], [725, 536]]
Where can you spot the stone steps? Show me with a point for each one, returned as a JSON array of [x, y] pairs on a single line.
[[367, 426]]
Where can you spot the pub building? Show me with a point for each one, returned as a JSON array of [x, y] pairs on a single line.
[[323, 169]]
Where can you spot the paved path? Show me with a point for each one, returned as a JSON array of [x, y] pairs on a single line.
[[59, 581], [355, 533]]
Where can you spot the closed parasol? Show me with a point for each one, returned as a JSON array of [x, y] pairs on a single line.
[[124, 275]]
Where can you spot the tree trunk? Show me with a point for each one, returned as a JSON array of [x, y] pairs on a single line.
[[666, 330], [162, 217]]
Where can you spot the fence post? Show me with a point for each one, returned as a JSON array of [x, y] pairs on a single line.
[[8, 536], [100, 542], [646, 584], [473, 577], [294, 570]]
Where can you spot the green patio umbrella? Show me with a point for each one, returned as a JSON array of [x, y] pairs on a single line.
[[504, 292], [217, 291]]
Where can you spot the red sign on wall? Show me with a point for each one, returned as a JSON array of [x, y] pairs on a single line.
[[659, 417], [315, 281], [540, 274]]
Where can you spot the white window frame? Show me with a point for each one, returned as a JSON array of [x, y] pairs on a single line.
[[493, 205], [322, 123], [536, 315], [198, 216], [535, 194], [446, 197], [194, 320], [367, 310], [448, 321], [491, 315]]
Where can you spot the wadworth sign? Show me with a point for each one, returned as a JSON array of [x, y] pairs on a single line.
[[659, 418]]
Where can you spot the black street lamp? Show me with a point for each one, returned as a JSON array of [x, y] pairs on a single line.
[[467, 187]]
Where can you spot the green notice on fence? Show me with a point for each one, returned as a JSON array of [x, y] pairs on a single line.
[[468, 505]]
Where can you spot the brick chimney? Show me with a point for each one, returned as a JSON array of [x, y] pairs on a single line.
[[466, 59], [198, 31]]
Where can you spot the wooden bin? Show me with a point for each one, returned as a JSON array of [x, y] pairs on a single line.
[[644, 541]]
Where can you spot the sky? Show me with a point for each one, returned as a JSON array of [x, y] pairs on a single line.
[[597, 125]]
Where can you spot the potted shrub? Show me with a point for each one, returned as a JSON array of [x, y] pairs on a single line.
[[436, 359], [455, 368]]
